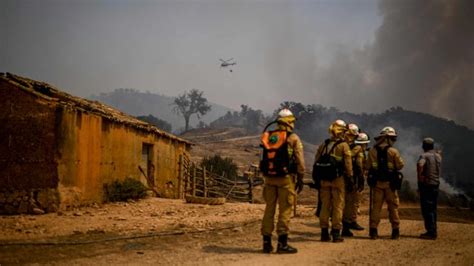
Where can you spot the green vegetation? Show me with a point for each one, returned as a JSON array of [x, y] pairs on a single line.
[[251, 120], [161, 124], [219, 165], [124, 190]]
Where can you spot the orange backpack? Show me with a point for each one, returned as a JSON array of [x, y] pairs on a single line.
[[275, 158]]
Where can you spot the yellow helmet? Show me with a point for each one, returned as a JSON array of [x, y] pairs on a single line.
[[352, 129], [337, 128]]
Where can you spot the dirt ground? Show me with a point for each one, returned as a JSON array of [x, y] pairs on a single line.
[[171, 232]]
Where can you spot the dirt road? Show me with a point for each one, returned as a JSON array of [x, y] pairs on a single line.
[[187, 234]]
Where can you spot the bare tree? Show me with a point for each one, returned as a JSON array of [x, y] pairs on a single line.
[[190, 103]]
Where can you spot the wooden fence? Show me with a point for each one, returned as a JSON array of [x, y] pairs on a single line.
[[199, 181]]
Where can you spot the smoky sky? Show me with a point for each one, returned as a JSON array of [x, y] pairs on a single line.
[[359, 56]]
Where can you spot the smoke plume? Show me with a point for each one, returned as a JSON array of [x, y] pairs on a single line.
[[423, 56], [422, 59]]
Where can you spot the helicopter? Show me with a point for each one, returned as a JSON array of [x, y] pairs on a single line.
[[226, 63]]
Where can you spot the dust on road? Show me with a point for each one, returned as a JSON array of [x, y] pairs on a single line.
[[226, 235]]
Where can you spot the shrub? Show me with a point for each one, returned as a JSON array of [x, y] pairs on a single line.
[[218, 165], [407, 193], [124, 190]]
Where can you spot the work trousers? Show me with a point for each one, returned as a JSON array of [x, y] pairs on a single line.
[[429, 203], [281, 191], [332, 199], [351, 206], [380, 193]]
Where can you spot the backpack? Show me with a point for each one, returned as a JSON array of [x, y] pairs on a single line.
[[382, 174], [326, 167], [275, 161]]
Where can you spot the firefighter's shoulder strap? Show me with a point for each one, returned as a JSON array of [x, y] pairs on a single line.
[[326, 144]]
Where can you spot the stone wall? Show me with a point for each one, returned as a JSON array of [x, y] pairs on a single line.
[[27, 140], [35, 201]]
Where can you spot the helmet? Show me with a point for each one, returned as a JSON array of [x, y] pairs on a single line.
[[337, 128], [286, 117], [352, 129], [388, 131], [362, 138], [285, 113]]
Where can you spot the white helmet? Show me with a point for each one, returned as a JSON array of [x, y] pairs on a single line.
[[388, 131], [285, 113], [352, 129], [362, 138]]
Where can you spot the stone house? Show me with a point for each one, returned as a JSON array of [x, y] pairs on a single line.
[[58, 150]]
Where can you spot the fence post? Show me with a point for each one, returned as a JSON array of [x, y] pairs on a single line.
[[181, 177], [194, 180], [250, 180], [204, 176]]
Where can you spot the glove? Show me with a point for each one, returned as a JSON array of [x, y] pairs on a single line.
[[360, 183], [299, 185]]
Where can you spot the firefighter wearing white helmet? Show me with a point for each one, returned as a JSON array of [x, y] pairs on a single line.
[[384, 163], [354, 185], [280, 187], [332, 162]]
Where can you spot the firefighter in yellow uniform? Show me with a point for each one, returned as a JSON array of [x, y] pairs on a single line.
[[332, 163], [354, 186], [384, 163], [280, 189]]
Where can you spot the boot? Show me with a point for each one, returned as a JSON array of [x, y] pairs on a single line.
[[267, 244], [356, 226], [283, 247], [346, 231], [373, 233], [325, 235], [336, 236], [429, 236], [395, 233]]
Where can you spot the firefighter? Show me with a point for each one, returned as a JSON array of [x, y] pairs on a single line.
[[354, 186], [384, 163], [280, 186], [332, 162]]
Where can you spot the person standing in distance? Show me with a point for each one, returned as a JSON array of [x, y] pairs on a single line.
[[428, 172]]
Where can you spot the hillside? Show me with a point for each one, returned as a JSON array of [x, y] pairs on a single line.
[[138, 103], [454, 141]]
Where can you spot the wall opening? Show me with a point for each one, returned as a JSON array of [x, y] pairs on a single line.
[[147, 166]]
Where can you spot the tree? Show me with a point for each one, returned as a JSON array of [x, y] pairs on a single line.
[[159, 123], [190, 103]]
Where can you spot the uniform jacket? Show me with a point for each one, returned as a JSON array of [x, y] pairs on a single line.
[[395, 161], [358, 156], [342, 154]]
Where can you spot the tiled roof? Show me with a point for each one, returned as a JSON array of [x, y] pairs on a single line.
[[49, 92]]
